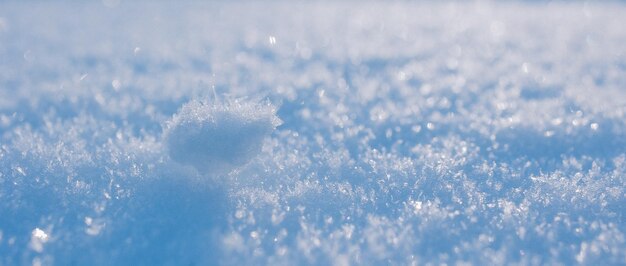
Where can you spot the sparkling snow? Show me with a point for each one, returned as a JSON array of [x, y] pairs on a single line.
[[325, 133]]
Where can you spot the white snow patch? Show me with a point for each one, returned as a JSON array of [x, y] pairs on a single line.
[[217, 137]]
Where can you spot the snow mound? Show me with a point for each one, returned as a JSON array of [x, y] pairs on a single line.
[[217, 137]]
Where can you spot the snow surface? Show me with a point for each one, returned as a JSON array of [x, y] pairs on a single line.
[[412, 133]]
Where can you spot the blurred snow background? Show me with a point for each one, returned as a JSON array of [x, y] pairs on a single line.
[[411, 133]]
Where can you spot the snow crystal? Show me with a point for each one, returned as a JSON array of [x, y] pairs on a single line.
[[217, 137]]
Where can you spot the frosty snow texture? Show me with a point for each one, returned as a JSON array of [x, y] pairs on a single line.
[[412, 133]]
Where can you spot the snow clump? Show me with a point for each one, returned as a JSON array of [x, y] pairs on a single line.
[[217, 137]]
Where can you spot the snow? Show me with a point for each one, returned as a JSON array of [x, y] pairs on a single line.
[[217, 137], [319, 133]]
